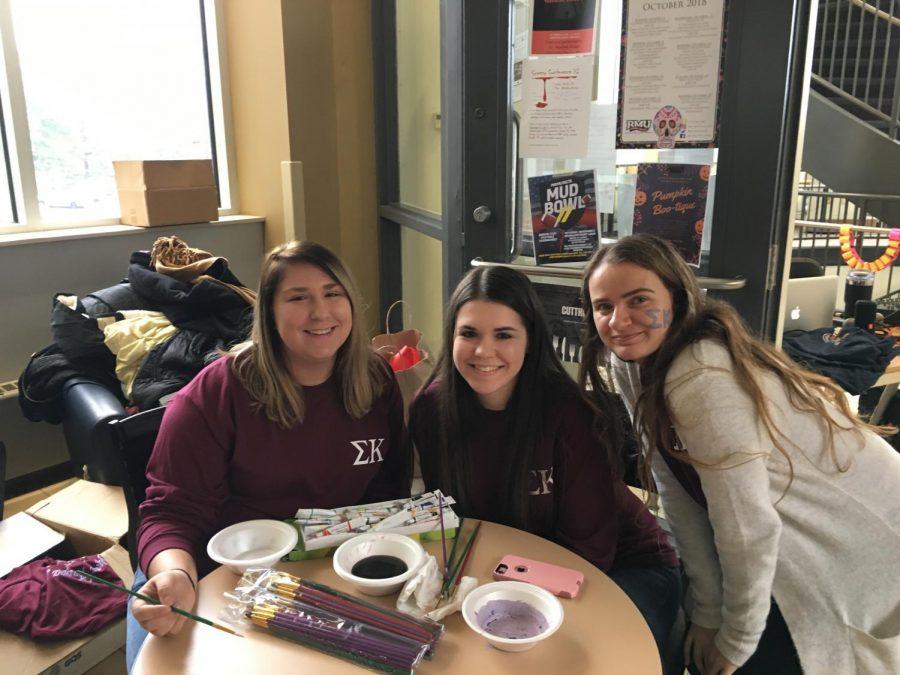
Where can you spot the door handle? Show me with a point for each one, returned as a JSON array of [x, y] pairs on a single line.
[[515, 246], [481, 214]]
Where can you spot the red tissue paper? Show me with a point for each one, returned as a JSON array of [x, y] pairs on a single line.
[[407, 357]]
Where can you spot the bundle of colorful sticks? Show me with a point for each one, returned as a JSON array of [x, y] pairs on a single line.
[[323, 618]]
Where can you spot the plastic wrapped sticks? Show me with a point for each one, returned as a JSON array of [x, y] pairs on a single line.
[[319, 617]]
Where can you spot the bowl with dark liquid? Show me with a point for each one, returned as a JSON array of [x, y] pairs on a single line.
[[378, 563]]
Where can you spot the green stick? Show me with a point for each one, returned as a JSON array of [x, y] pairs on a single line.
[[446, 570], [462, 556], [153, 601]]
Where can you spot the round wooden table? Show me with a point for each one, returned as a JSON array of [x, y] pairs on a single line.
[[602, 632]]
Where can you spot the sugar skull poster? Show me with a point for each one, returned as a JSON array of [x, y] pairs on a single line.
[[669, 88], [563, 217], [670, 202]]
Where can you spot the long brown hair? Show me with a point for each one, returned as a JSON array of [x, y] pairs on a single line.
[[259, 364], [542, 379], [695, 318]]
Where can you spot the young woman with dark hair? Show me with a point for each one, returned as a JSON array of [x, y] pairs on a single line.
[[304, 414], [503, 428], [783, 504]]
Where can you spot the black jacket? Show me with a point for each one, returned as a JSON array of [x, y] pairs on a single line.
[[210, 317]]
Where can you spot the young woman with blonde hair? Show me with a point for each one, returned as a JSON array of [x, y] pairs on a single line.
[[783, 504], [304, 414]]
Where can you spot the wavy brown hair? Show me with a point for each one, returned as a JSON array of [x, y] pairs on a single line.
[[695, 318], [259, 364]]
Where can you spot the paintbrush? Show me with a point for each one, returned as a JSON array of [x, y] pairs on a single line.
[[443, 533], [460, 564], [153, 601], [465, 561], [446, 572]]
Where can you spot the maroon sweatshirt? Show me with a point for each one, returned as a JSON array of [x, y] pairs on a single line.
[[593, 514], [216, 462]]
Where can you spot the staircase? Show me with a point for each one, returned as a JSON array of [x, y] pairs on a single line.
[[852, 129]]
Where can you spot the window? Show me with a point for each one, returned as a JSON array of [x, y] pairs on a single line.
[[94, 81]]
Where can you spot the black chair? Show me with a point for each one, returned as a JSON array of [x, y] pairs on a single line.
[[802, 268], [88, 406], [134, 437]]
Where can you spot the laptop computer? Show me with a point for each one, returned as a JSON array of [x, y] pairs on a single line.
[[811, 302]]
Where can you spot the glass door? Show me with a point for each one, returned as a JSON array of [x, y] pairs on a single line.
[[445, 144], [408, 79], [474, 48], [614, 171]]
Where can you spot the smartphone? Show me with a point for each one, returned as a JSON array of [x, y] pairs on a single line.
[[558, 580]]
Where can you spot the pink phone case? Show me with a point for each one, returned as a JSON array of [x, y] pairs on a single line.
[[558, 580]]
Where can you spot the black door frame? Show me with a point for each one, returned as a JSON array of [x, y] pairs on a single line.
[[758, 139], [759, 122], [476, 141]]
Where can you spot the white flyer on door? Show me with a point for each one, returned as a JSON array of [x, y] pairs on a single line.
[[556, 104], [672, 56]]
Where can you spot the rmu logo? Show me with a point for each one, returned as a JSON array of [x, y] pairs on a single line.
[[638, 125], [369, 451]]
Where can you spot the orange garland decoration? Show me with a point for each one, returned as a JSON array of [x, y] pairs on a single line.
[[851, 257]]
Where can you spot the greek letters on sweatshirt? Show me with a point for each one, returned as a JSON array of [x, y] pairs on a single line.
[[217, 462], [593, 514]]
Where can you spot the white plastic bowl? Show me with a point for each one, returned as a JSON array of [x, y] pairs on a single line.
[[253, 543], [378, 543], [543, 601]]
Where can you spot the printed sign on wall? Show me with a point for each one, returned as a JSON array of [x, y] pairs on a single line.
[[670, 74], [670, 202], [564, 314], [563, 27], [556, 106], [563, 217]]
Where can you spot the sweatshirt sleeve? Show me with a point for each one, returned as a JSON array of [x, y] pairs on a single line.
[[688, 520], [696, 547], [587, 512], [393, 479], [718, 424], [188, 476]]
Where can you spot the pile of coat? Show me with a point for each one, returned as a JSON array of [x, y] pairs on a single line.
[[144, 338]]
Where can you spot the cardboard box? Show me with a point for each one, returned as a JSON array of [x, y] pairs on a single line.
[[22, 539], [166, 192], [69, 657], [93, 516]]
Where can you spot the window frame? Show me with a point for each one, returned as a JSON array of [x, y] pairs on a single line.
[[22, 181]]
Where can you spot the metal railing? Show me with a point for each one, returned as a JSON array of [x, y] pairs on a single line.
[[856, 58], [559, 272], [820, 215]]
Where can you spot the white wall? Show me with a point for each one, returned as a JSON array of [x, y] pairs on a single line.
[[31, 274]]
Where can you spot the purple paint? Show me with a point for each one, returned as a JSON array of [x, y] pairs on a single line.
[[511, 619]]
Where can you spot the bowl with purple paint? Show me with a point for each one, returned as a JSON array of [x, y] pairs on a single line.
[[511, 615]]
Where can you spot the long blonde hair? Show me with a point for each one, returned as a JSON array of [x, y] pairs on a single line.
[[695, 318], [259, 364]]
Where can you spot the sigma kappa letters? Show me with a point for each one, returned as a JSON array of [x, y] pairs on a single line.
[[542, 481], [368, 451]]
